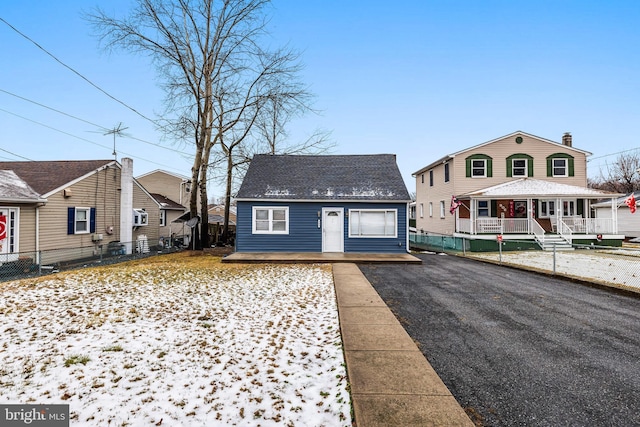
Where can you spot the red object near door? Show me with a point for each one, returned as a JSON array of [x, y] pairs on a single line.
[[3, 227]]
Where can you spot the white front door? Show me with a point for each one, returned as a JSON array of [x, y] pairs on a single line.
[[332, 230], [7, 235]]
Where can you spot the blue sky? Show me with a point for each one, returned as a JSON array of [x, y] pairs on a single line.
[[420, 79]]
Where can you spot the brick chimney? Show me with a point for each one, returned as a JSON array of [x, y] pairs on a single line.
[[566, 139]]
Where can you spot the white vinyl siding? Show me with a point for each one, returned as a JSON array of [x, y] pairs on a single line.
[[373, 223]]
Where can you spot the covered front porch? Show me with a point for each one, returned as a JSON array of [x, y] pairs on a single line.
[[547, 212]]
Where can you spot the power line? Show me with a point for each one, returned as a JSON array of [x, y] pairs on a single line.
[[77, 73], [52, 109], [14, 154], [80, 138], [613, 154], [102, 128]]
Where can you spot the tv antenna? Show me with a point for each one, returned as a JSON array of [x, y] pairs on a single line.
[[116, 131]]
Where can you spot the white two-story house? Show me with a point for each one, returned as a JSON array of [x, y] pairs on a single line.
[[518, 187]]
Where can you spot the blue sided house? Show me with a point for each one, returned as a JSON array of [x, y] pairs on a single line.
[[316, 203]]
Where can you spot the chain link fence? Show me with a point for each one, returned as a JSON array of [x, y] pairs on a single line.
[[22, 265], [614, 266]]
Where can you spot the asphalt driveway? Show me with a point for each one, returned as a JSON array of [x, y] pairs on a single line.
[[518, 348]]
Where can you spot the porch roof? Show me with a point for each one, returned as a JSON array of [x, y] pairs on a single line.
[[537, 188]]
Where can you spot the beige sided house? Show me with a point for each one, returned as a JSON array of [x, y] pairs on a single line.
[[516, 187], [173, 192], [57, 206]]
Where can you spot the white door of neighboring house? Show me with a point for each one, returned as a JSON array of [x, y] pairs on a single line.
[[332, 230], [8, 228]]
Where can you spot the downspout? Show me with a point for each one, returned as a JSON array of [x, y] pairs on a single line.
[[37, 234], [614, 214]]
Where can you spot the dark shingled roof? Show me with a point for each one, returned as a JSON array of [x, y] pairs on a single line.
[[347, 177], [45, 176], [167, 203]]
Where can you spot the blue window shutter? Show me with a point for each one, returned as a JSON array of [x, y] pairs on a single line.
[[92, 221], [71, 220]]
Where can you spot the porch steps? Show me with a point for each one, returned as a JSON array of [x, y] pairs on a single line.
[[551, 240]]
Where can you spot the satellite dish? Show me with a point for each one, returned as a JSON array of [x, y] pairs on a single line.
[[192, 222]]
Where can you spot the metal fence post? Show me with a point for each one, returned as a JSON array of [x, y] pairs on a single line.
[[554, 259]]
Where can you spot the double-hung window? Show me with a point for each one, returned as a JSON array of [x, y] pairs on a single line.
[[270, 220], [560, 167], [478, 168], [81, 220], [373, 223], [484, 208], [519, 167]]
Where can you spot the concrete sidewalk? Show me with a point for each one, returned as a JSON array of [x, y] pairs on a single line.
[[392, 383]]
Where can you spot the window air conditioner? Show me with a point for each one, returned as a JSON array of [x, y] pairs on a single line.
[[140, 217]]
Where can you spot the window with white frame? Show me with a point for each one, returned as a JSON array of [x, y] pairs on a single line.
[[478, 168], [446, 172], [270, 220], [81, 221], [163, 218], [519, 167], [547, 208], [484, 208], [421, 210], [442, 211], [431, 209], [373, 223], [560, 167]]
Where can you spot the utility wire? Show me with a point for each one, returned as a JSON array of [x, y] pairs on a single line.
[[14, 154], [77, 73], [102, 128], [80, 138]]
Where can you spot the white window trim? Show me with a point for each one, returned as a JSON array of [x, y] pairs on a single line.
[[10, 247], [488, 209], [442, 210], [514, 167], [565, 167], [385, 236], [254, 230], [431, 209], [421, 210], [163, 218], [484, 168], [88, 220]]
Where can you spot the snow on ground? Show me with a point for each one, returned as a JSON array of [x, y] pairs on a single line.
[[615, 267], [177, 341]]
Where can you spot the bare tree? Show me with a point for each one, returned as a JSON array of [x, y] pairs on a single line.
[[215, 73], [623, 176]]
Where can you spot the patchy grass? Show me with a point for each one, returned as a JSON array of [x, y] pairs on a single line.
[[180, 339]]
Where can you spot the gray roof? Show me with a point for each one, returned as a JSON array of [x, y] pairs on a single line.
[[531, 187], [14, 189], [373, 177]]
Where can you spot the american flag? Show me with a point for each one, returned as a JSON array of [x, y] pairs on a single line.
[[631, 202], [455, 203]]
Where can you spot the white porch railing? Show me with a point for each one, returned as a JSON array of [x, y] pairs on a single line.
[[565, 231], [538, 231], [567, 226], [464, 225]]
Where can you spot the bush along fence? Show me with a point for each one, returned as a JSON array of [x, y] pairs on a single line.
[[21, 265]]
